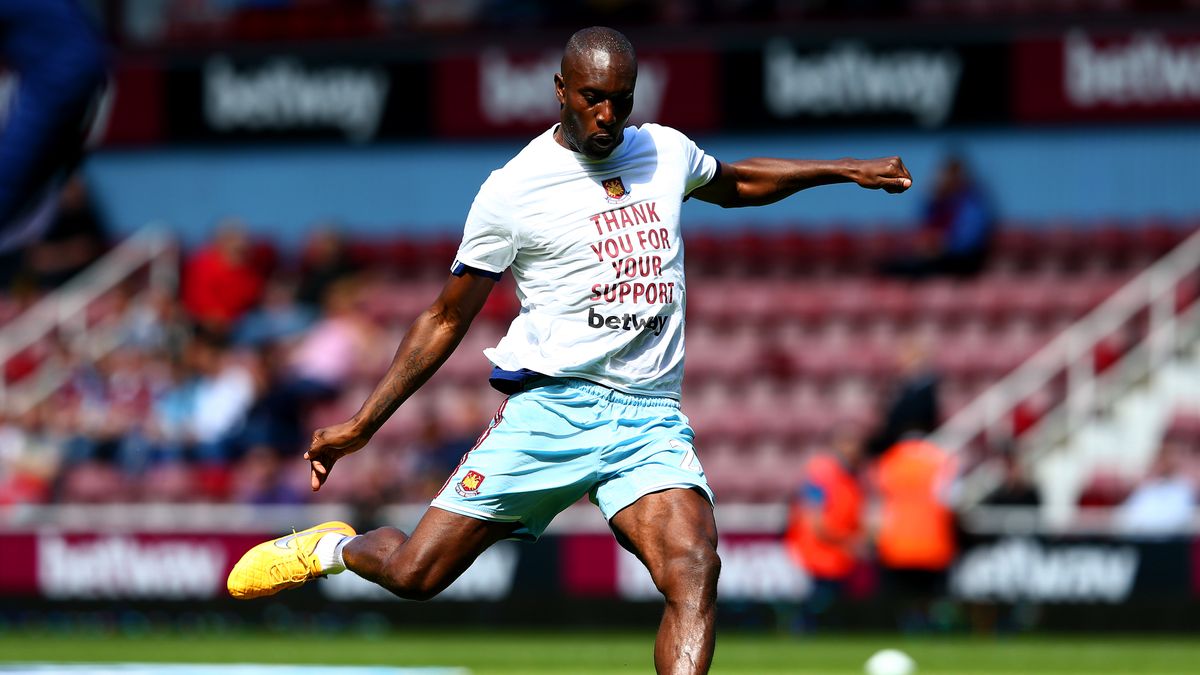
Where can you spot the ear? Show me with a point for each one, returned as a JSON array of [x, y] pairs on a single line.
[[560, 88]]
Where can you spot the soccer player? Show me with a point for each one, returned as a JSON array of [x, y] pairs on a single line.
[[586, 218]]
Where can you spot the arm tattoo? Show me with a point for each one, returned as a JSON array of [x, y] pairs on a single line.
[[407, 380]]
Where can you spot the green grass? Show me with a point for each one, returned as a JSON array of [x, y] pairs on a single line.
[[599, 653]]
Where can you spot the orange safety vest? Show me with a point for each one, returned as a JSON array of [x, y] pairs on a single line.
[[842, 516], [916, 530]]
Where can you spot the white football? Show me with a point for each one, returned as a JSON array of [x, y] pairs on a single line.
[[890, 662]]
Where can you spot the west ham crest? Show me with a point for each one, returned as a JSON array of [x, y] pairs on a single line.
[[614, 190], [469, 485]]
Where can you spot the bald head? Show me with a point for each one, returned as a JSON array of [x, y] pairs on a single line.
[[597, 39], [595, 91]]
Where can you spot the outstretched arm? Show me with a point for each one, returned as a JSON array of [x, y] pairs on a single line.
[[758, 181], [426, 345]]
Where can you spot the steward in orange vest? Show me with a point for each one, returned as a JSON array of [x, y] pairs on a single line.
[[825, 529], [916, 529]]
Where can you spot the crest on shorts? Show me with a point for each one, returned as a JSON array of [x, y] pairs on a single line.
[[614, 190], [469, 485]]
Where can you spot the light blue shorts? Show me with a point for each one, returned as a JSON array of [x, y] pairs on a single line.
[[552, 444]]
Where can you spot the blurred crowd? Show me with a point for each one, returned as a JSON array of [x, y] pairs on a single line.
[[211, 392], [213, 388]]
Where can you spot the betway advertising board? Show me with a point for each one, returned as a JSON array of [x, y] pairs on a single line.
[[294, 97], [154, 566], [786, 85], [194, 566], [776, 84], [503, 92], [1147, 75]]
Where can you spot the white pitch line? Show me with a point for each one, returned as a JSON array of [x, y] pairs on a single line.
[[213, 669]]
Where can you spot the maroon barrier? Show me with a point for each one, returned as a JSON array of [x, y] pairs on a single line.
[[175, 566]]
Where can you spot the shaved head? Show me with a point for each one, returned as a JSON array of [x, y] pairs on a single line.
[[597, 39], [595, 90]]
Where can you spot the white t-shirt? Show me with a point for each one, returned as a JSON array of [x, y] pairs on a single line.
[[594, 247]]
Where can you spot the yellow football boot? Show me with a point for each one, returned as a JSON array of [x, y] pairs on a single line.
[[286, 562]]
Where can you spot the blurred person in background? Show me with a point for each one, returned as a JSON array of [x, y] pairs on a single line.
[[221, 282], [60, 68], [31, 455], [323, 262], [912, 405], [278, 319], [164, 435], [224, 389], [915, 539], [594, 405], [957, 228], [75, 239], [153, 321], [337, 347], [1164, 503], [825, 534], [1015, 488]]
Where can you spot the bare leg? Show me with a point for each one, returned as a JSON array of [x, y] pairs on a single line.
[[420, 566], [674, 534]]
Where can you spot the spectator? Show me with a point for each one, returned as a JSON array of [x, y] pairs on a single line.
[[337, 347], [1015, 489], [956, 231], [221, 281], [825, 532], [74, 240], [323, 262], [913, 404], [224, 391], [916, 541], [153, 321], [277, 319], [1164, 503], [30, 458]]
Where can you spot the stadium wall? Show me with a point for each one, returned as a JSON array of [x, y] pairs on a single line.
[[425, 189]]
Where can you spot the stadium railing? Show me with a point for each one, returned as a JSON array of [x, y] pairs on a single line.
[[63, 314], [1160, 298]]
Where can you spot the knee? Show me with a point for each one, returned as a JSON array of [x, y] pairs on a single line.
[[689, 570], [400, 573]]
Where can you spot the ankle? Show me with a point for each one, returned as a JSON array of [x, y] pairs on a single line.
[[329, 552]]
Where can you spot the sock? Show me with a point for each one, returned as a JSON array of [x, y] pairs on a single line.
[[337, 550], [329, 552]]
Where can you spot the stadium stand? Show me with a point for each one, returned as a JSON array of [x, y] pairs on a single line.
[[790, 335]]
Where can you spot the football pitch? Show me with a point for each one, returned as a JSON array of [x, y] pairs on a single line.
[[601, 653]]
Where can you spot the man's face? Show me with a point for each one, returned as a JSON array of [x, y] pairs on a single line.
[[596, 93]]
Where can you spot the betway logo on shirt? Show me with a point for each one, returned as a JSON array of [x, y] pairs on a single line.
[[627, 321], [850, 80], [512, 91], [1146, 71], [286, 95]]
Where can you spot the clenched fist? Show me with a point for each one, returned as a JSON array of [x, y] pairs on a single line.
[[888, 173]]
